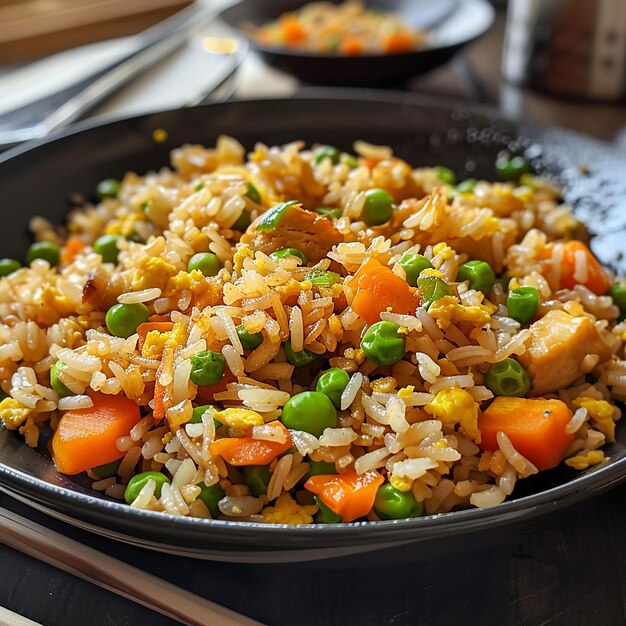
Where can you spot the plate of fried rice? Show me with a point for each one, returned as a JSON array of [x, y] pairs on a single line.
[[326, 324], [360, 43]]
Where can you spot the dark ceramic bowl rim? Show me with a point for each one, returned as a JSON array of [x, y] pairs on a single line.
[[295, 53], [584, 486]]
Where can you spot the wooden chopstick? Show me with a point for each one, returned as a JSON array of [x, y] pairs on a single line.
[[116, 576]]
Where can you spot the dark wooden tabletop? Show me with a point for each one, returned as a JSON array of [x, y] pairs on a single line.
[[566, 568]]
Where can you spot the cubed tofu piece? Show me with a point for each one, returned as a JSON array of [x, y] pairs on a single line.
[[558, 344]]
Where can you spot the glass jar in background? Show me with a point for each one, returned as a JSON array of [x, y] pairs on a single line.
[[571, 48]]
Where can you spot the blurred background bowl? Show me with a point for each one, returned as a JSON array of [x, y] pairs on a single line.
[[451, 25]]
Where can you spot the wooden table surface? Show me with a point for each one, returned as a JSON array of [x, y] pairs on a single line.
[[566, 568]]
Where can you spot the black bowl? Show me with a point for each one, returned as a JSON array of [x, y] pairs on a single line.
[[37, 179], [452, 24]]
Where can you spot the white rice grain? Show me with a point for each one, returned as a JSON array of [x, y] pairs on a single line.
[[135, 297], [352, 388]]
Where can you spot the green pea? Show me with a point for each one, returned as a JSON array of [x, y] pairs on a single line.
[[199, 186], [55, 381], [257, 478], [44, 250], [122, 319], [326, 515], [206, 262], [511, 169], [108, 188], [350, 160], [211, 496], [332, 213], [323, 278], [467, 186], [445, 174], [207, 368], [8, 266], [138, 482], [199, 411], [479, 274], [286, 252], [243, 221], [253, 193], [249, 341], [390, 503], [270, 219], [618, 293], [507, 378], [332, 383], [522, 303], [107, 470], [301, 358], [413, 264], [106, 247], [310, 411], [383, 343], [432, 289], [320, 468], [327, 152], [378, 207]]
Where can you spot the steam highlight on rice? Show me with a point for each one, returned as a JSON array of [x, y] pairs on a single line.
[[354, 338]]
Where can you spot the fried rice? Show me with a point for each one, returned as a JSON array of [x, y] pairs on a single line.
[[414, 424]]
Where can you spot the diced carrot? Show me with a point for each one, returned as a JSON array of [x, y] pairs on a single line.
[[371, 162], [241, 451], [162, 399], [159, 318], [146, 327], [351, 46], [378, 289], [292, 29], [86, 438], [349, 495], [398, 42], [205, 394], [72, 247], [535, 426], [597, 279]]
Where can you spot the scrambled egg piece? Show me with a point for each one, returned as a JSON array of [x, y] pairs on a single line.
[[204, 293], [241, 254], [448, 309], [432, 272], [154, 272], [13, 413], [601, 414], [239, 418], [401, 483], [406, 392], [583, 461], [153, 345], [444, 250], [54, 306], [287, 511], [456, 406], [177, 336]]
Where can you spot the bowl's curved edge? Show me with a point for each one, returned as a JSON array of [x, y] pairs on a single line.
[[270, 537]]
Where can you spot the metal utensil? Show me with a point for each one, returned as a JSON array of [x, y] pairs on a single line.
[[38, 118], [125, 580]]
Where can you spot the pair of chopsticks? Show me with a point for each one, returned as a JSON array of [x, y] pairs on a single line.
[[109, 573]]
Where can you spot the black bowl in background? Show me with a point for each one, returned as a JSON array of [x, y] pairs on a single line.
[[37, 179], [452, 24]]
